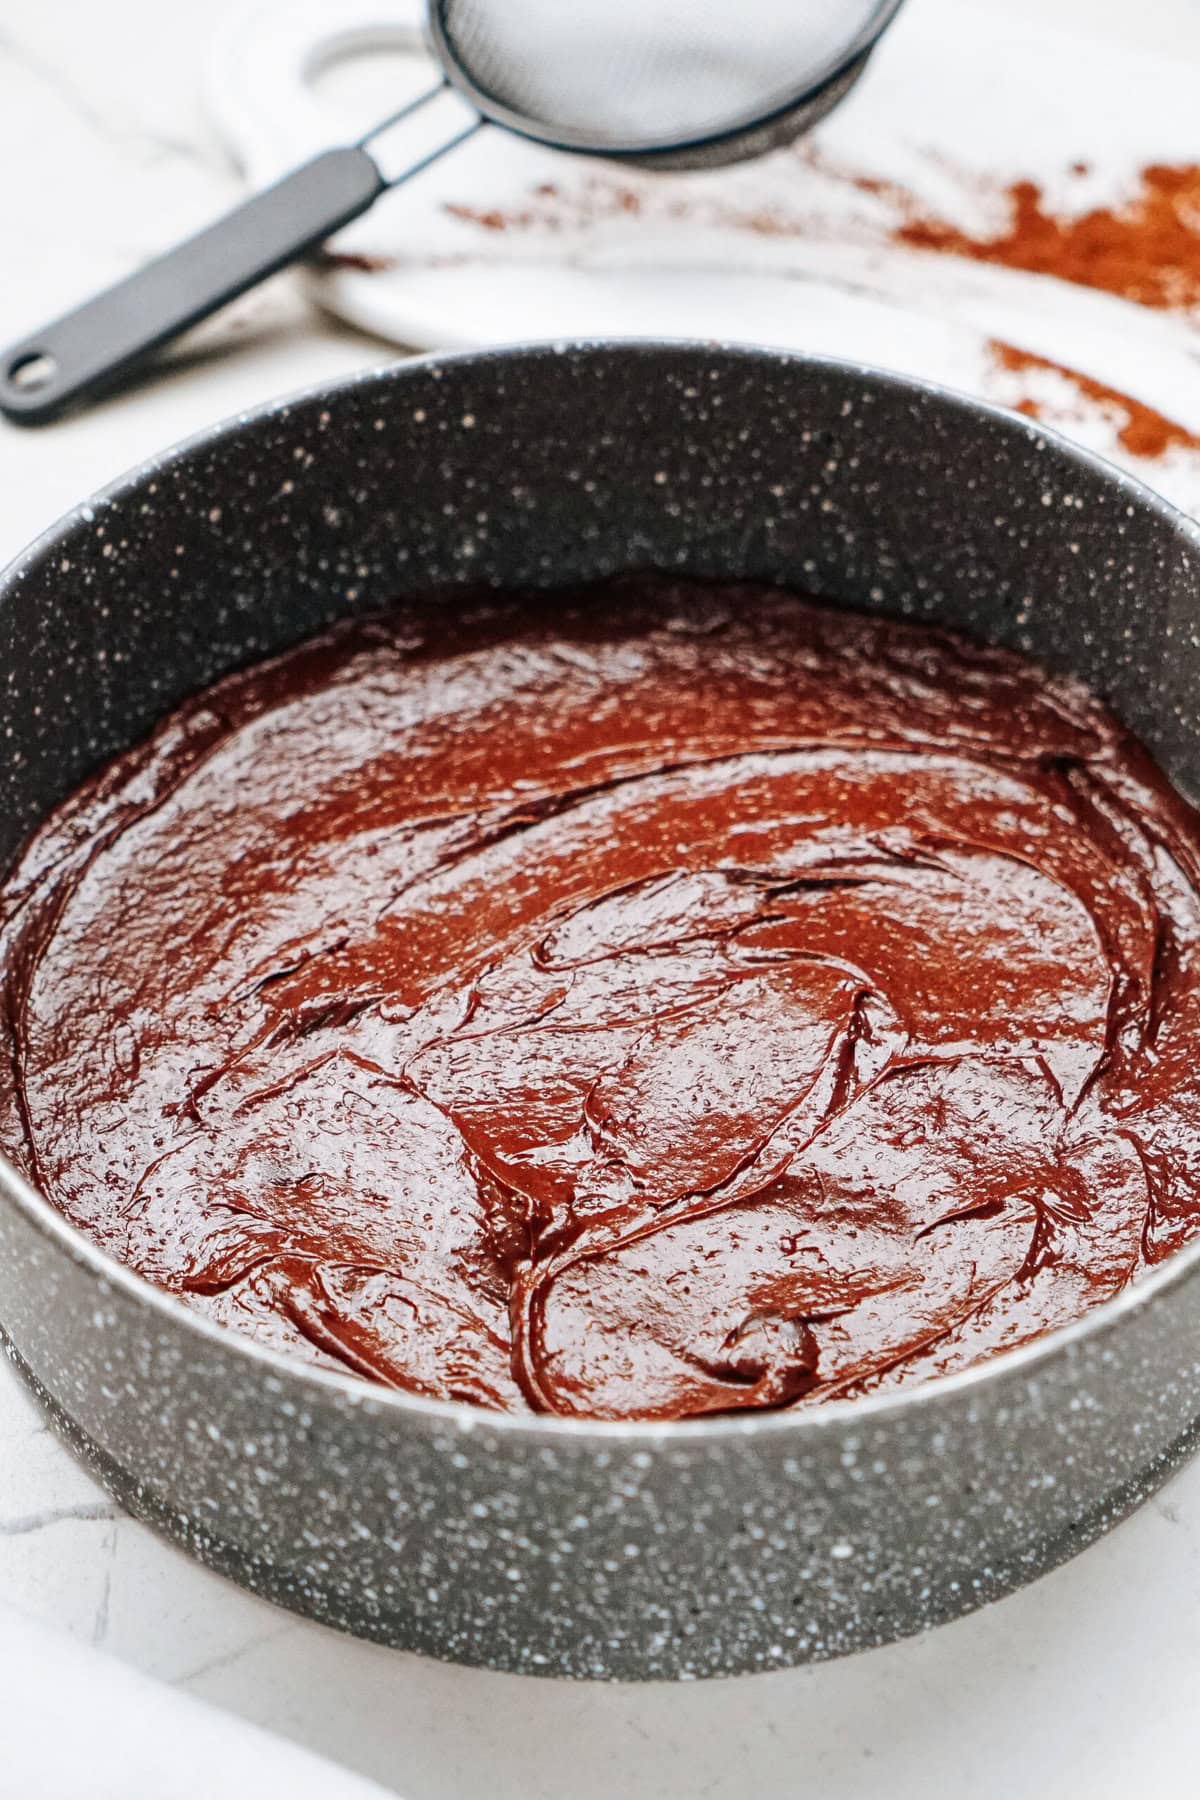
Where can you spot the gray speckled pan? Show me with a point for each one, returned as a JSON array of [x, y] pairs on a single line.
[[544, 1545]]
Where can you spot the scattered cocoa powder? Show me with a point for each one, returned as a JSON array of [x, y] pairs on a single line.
[[360, 261], [1146, 250], [550, 209], [491, 218], [1145, 432]]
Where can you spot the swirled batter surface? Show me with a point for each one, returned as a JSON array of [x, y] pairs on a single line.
[[641, 1002]]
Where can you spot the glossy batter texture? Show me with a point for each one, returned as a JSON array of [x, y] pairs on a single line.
[[640, 1002]]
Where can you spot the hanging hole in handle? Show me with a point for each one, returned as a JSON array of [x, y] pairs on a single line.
[[369, 71], [32, 371]]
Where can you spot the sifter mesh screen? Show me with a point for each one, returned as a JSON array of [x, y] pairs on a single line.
[[612, 75]]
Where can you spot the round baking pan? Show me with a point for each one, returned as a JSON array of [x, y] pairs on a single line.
[[540, 1544]]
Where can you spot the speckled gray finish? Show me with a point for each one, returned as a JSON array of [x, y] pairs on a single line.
[[547, 1546]]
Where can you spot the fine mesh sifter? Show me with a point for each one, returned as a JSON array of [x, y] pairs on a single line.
[[671, 83]]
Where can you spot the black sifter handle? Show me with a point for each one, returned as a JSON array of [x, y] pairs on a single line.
[[87, 349]]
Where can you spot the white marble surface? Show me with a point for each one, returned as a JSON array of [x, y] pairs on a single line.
[[1084, 1684]]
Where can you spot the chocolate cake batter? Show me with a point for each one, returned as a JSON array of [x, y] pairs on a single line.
[[635, 1003]]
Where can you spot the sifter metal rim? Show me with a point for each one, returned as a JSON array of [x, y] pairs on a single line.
[[827, 74]]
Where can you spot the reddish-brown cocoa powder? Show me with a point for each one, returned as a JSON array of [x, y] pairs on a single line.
[[1145, 249], [1145, 432]]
